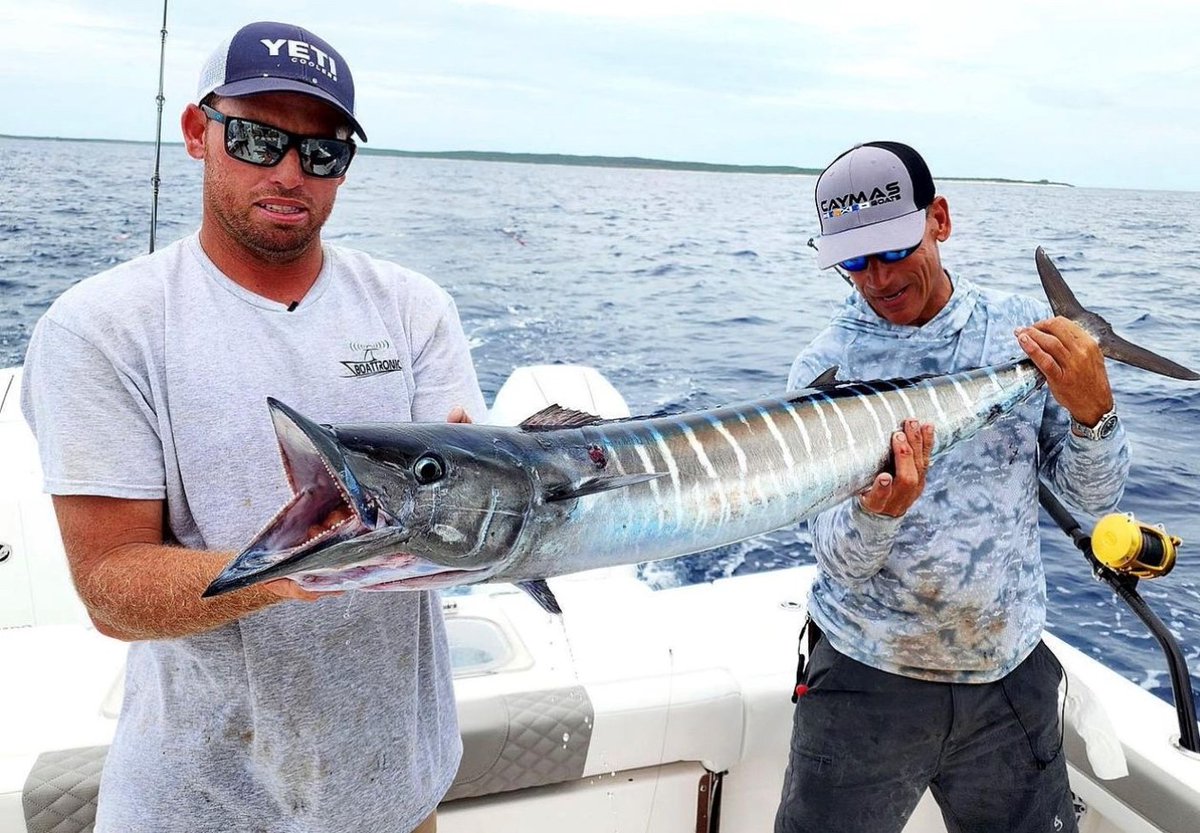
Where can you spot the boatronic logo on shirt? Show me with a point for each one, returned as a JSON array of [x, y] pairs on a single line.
[[305, 54], [848, 203], [372, 362]]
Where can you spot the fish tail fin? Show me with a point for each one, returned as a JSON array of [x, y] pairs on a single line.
[[1064, 303]]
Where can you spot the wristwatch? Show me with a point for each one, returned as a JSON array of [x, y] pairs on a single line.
[[1102, 430]]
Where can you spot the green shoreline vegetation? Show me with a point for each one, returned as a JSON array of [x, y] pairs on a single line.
[[583, 161]]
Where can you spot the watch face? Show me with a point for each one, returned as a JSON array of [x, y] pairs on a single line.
[[1100, 431], [1107, 425]]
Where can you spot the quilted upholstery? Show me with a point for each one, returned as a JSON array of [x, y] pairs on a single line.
[[529, 738], [60, 792]]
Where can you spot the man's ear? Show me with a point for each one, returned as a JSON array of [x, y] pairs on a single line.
[[939, 212], [194, 125]]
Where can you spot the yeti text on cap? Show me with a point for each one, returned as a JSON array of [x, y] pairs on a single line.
[[303, 53]]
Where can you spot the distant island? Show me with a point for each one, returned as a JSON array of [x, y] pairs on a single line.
[[583, 161], [590, 161]]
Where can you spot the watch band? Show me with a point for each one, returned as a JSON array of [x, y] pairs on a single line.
[[1102, 430]]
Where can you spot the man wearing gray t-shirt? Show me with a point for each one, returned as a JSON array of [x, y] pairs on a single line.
[[270, 708]]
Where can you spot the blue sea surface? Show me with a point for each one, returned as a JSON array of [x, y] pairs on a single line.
[[689, 290]]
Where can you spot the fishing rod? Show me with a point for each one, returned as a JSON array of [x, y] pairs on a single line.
[[154, 180], [1129, 550], [812, 244]]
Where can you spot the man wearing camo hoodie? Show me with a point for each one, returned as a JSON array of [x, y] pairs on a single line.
[[930, 671]]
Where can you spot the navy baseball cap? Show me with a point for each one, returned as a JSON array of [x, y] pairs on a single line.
[[279, 57]]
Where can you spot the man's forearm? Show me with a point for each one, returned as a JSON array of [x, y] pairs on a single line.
[[147, 591], [851, 544]]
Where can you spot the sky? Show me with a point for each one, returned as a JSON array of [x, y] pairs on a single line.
[[1096, 93]]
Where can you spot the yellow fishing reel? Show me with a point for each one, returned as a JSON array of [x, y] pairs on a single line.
[[1123, 543]]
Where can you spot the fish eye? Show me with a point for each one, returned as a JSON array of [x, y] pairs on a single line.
[[428, 468]]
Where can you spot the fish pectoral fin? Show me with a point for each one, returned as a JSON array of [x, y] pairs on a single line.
[[556, 416], [1117, 348], [592, 485], [542, 594]]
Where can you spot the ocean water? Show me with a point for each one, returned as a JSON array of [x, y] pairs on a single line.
[[689, 290]]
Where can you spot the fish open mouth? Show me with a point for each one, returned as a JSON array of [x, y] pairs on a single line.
[[330, 535], [327, 506], [327, 502]]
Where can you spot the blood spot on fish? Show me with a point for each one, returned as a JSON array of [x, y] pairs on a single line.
[[597, 456]]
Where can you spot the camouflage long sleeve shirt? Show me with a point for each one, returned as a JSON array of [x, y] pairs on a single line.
[[953, 591]]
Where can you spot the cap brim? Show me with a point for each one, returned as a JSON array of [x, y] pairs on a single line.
[[888, 235], [252, 86]]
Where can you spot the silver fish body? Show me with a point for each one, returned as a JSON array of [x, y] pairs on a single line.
[[404, 506]]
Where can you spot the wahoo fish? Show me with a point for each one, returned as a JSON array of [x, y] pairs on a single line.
[[429, 505]]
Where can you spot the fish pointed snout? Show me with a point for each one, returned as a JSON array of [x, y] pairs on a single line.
[[226, 582], [251, 566]]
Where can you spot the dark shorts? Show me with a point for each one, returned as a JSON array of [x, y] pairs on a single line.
[[866, 744]]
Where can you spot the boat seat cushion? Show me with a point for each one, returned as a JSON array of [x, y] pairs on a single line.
[[60, 792], [523, 739]]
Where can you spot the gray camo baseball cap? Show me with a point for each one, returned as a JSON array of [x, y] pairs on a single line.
[[872, 199]]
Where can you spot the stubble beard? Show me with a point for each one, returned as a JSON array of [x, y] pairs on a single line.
[[272, 245]]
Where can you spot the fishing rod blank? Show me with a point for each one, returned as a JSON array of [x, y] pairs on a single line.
[[154, 180]]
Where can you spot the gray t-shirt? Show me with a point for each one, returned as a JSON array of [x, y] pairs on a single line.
[[149, 381]]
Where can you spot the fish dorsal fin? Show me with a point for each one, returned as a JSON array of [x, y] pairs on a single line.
[[592, 485], [828, 377], [556, 416], [542, 594], [1063, 302]]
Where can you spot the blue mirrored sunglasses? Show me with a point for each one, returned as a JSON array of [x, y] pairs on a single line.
[[858, 264]]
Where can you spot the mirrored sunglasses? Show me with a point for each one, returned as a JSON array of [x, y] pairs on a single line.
[[858, 264], [264, 145]]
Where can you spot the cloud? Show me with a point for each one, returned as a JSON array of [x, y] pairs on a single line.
[[1020, 85]]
